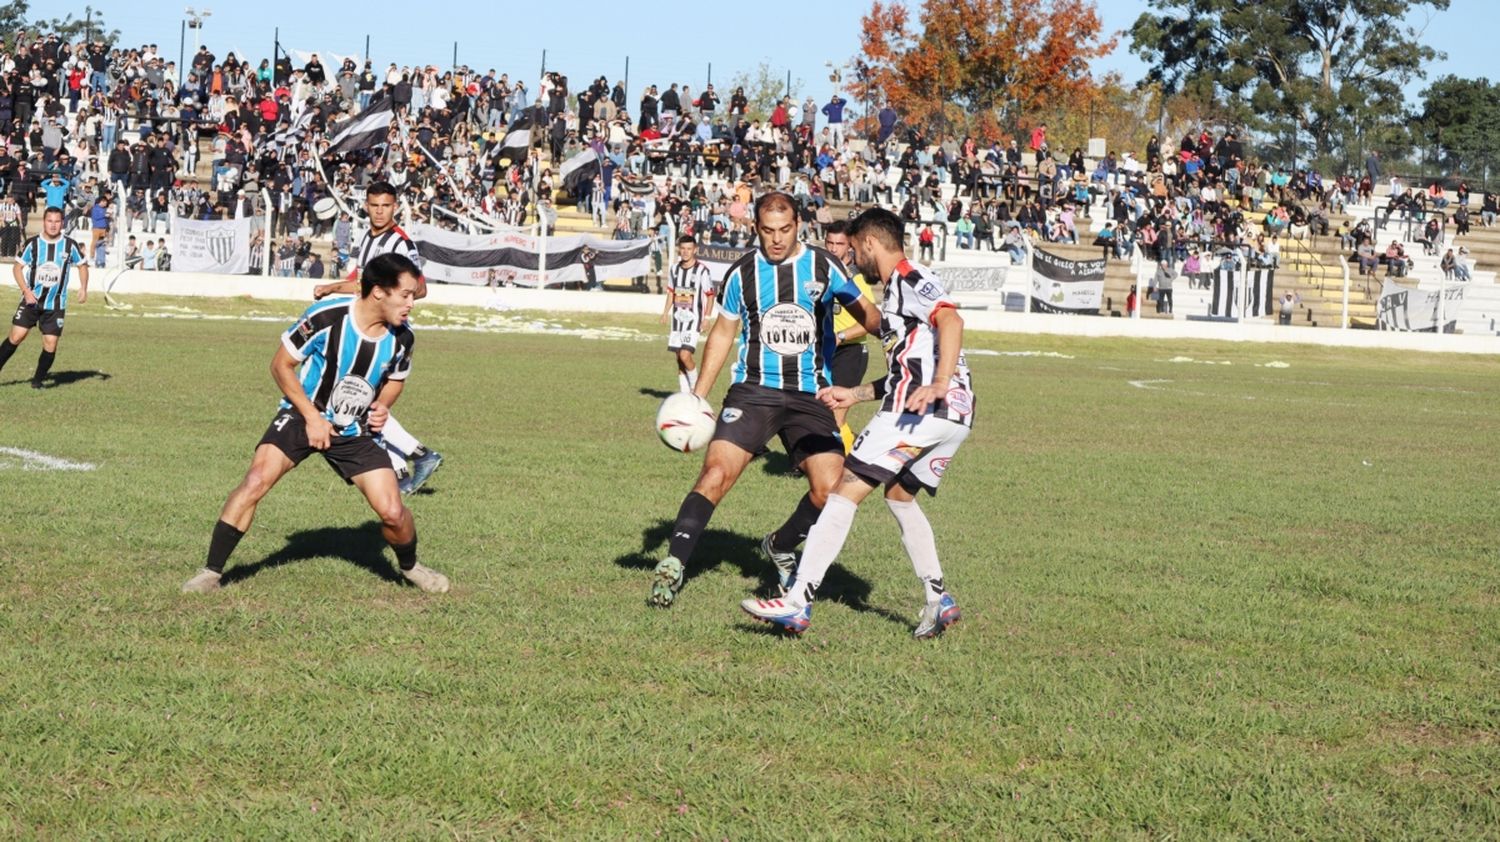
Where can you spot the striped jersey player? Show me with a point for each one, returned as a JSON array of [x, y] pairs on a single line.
[[779, 301], [926, 413], [386, 237], [43, 271], [339, 368], [690, 303]]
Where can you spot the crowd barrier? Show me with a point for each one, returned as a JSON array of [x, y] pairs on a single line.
[[136, 282]]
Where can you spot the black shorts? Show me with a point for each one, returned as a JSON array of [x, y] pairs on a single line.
[[850, 362], [31, 315], [752, 414], [349, 456]]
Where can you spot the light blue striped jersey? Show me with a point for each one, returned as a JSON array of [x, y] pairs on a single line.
[[342, 369], [47, 267], [786, 314]]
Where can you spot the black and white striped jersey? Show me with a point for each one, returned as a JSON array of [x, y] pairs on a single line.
[[913, 295]]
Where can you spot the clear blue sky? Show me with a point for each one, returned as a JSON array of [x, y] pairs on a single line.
[[673, 41]]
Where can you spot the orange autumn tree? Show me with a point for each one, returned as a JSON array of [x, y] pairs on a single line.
[[978, 66]]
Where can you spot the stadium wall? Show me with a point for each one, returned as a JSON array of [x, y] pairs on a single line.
[[137, 282]]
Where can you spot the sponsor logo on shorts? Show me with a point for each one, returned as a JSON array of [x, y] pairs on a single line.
[[960, 401], [905, 453], [939, 465], [729, 416]]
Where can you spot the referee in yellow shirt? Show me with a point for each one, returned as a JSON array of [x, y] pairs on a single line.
[[852, 359]]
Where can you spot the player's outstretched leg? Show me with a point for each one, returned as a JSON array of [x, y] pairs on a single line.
[[267, 467], [424, 462], [8, 347], [398, 529], [940, 610], [723, 463], [44, 362], [780, 547]]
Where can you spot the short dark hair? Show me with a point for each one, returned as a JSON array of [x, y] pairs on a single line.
[[380, 188], [838, 226], [880, 223], [51, 209], [775, 200], [683, 239], [385, 271]]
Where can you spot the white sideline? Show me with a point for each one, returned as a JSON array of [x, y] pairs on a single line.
[[33, 461], [562, 301]]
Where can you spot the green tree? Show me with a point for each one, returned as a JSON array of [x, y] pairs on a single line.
[[90, 25], [1333, 69], [1458, 120], [763, 88]]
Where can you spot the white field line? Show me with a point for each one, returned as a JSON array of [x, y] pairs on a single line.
[[30, 460]]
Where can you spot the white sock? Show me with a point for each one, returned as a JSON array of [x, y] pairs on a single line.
[[396, 436], [398, 462], [682, 383], [824, 543], [921, 548], [692, 379]]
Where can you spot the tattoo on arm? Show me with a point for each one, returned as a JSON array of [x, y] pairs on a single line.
[[865, 392]]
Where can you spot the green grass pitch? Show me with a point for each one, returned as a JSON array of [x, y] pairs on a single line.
[[1200, 601]]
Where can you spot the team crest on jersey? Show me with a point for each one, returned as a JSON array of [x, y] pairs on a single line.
[[960, 401], [939, 465], [814, 288], [729, 416]]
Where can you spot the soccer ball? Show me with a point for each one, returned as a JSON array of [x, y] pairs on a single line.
[[685, 422]]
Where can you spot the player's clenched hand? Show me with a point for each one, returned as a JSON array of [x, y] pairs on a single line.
[[919, 400], [837, 397], [319, 432], [28, 298], [321, 290], [379, 413]]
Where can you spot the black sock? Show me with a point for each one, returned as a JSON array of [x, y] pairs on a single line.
[[794, 531], [417, 453], [44, 364], [406, 554], [6, 349], [692, 519], [223, 542]]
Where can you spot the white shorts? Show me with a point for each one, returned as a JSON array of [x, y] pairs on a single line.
[[682, 339], [911, 450]]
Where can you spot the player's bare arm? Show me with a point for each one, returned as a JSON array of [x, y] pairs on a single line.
[[950, 331], [20, 277], [868, 316], [284, 372], [839, 397], [715, 351], [666, 306], [83, 283]]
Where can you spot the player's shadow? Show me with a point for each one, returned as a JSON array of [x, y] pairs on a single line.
[[67, 378], [361, 546], [839, 585], [659, 394], [774, 463]]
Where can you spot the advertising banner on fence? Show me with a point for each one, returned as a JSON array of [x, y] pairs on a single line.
[[1406, 309], [515, 257], [720, 258], [220, 246], [1060, 285], [973, 279]]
